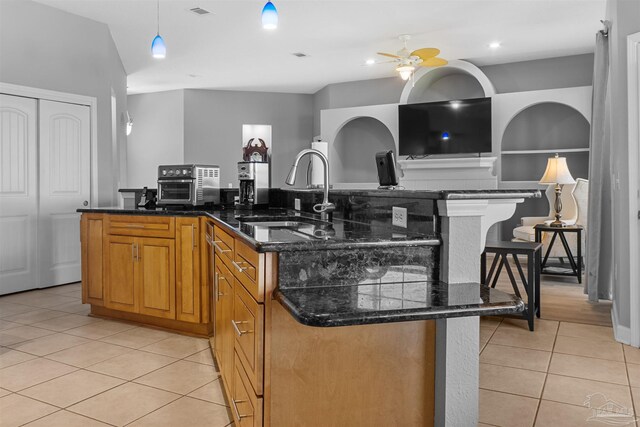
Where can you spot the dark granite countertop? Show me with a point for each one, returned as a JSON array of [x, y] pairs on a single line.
[[430, 194], [311, 234], [362, 304]]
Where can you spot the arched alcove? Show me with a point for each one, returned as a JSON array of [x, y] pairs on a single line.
[[447, 85], [536, 133], [429, 83], [355, 146]]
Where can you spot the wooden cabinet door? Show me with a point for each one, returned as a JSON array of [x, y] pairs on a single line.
[[120, 291], [223, 311], [188, 307], [156, 276], [91, 232]]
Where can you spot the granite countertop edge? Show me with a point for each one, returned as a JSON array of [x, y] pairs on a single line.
[[392, 316]]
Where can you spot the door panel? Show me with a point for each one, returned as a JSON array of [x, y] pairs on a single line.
[[156, 277], [64, 187], [120, 289], [188, 270], [18, 194]]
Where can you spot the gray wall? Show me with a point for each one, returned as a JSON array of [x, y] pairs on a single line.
[[47, 48], [157, 137], [550, 73], [213, 128], [356, 145], [625, 17]]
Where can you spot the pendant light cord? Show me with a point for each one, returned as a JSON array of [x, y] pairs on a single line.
[[158, 14]]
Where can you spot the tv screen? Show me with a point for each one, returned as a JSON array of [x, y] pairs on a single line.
[[446, 127]]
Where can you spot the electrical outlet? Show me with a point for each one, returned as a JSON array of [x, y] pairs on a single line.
[[296, 204], [399, 216]]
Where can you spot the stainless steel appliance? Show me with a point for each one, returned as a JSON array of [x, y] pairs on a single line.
[[192, 185], [254, 184]]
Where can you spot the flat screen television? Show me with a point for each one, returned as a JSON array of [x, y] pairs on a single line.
[[446, 127]]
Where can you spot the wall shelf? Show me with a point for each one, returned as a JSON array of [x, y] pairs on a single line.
[[548, 151]]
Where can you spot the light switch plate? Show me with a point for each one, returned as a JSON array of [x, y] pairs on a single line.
[[399, 216], [296, 204]]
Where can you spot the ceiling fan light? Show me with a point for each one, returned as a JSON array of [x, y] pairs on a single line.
[[158, 48], [269, 16], [405, 71]]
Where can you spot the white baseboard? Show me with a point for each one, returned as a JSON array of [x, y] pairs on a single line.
[[621, 333]]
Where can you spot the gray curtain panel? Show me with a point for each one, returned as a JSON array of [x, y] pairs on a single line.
[[599, 263]]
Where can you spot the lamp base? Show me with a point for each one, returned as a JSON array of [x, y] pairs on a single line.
[[557, 223]]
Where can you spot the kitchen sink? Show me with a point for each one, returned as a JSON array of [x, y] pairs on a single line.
[[276, 227]]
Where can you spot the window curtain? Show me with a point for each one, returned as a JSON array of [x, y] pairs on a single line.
[[599, 262]]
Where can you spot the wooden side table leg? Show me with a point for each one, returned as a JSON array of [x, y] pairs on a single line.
[[538, 260], [531, 298], [579, 233]]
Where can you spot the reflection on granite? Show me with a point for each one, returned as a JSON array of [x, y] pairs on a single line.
[[394, 302], [340, 267]]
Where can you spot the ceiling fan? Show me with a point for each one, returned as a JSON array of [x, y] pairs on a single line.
[[407, 61]]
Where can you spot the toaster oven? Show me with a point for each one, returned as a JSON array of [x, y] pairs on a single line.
[[188, 185]]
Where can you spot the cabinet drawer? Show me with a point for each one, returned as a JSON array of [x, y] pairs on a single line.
[[249, 270], [223, 244], [143, 226], [245, 405], [248, 326]]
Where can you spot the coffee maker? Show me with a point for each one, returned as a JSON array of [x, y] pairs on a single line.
[[254, 184]]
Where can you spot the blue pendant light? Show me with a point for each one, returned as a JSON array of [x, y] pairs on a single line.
[[269, 16], [158, 48]]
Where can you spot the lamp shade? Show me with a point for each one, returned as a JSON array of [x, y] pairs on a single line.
[[269, 17], [557, 172], [158, 48]]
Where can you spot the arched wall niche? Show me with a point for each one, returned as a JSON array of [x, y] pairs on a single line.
[[384, 118], [448, 86], [355, 145], [425, 78]]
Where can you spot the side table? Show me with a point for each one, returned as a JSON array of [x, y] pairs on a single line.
[[560, 269]]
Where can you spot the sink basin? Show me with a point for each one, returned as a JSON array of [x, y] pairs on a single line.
[[277, 224]]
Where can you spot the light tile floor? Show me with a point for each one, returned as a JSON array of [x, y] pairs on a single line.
[[544, 378], [62, 368]]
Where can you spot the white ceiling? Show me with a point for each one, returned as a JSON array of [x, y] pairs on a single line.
[[228, 49]]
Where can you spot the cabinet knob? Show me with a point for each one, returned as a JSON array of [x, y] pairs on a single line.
[[85, 203]]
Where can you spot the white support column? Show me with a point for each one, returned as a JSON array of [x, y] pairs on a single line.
[[464, 226]]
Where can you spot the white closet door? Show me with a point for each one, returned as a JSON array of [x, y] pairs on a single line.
[[18, 194], [64, 187]]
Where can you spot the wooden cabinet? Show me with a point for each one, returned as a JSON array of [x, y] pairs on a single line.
[[246, 406], [155, 277], [91, 237], [140, 275], [148, 269], [188, 290], [120, 257], [224, 291], [248, 326]]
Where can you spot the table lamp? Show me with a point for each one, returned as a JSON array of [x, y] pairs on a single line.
[[557, 173]]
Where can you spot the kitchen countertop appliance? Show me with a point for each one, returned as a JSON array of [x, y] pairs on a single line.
[[254, 184], [188, 185]]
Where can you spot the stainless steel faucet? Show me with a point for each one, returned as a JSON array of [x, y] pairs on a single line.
[[325, 207]]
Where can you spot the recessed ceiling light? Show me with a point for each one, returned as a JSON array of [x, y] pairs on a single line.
[[370, 61], [300, 54], [494, 45]]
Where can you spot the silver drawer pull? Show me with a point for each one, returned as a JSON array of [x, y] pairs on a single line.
[[215, 245], [239, 267], [235, 409], [235, 324]]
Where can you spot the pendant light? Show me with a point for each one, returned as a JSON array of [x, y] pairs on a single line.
[[269, 16], [158, 48]]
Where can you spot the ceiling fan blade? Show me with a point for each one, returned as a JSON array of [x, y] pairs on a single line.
[[426, 53], [390, 55], [379, 62], [434, 62]]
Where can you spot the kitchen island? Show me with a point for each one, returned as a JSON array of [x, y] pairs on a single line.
[[351, 322]]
